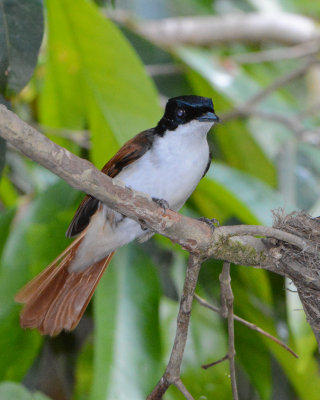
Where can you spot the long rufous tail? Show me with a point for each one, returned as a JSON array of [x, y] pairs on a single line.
[[56, 298]]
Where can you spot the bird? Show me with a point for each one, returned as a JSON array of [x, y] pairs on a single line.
[[166, 162]]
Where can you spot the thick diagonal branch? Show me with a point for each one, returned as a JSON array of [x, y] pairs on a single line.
[[193, 235], [235, 244]]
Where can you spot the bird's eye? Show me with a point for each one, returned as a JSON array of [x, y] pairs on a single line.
[[180, 113]]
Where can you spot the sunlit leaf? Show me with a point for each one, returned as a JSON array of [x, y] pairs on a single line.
[[94, 76], [12, 390], [8, 193], [302, 335]]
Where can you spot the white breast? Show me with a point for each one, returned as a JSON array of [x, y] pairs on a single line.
[[172, 168]]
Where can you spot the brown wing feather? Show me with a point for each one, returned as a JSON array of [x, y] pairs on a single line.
[[130, 152], [81, 219]]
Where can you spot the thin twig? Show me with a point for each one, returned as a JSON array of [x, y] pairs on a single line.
[[227, 310], [206, 366], [291, 122], [265, 92], [279, 53], [250, 325], [172, 372], [179, 385], [282, 81]]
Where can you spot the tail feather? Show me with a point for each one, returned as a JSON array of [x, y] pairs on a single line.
[[68, 307], [28, 291], [56, 299]]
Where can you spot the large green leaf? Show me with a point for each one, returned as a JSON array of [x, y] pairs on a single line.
[[21, 29], [15, 391], [93, 75], [227, 192], [36, 239], [8, 193], [127, 342]]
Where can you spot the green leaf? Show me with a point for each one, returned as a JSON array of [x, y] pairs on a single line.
[[36, 239], [3, 148], [302, 335], [15, 391], [8, 193], [6, 218], [84, 372], [94, 76], [231, 192], [21, 29], [127, 342]]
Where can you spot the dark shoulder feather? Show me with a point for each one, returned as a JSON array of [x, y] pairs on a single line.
[[128, 153], [207, 166]]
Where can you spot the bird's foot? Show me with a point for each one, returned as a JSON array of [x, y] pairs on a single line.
[[162, 203], [211, 222]]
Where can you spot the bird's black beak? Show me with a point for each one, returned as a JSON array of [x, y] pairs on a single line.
[[208, 117]]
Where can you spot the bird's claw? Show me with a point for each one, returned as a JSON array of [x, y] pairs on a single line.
[[210, 222], [162, 203]]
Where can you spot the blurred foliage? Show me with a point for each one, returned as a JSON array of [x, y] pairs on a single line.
[[11, 390], [90, 77]]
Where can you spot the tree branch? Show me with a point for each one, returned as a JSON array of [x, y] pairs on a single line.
[[248, 108], [202, 31], [250, 325], [227, 312], [172, 372], [193, 235]]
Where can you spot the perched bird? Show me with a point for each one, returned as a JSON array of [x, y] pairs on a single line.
[[167, 162]]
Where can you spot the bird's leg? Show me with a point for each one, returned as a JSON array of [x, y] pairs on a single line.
[[162, 203], [210, 222]]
